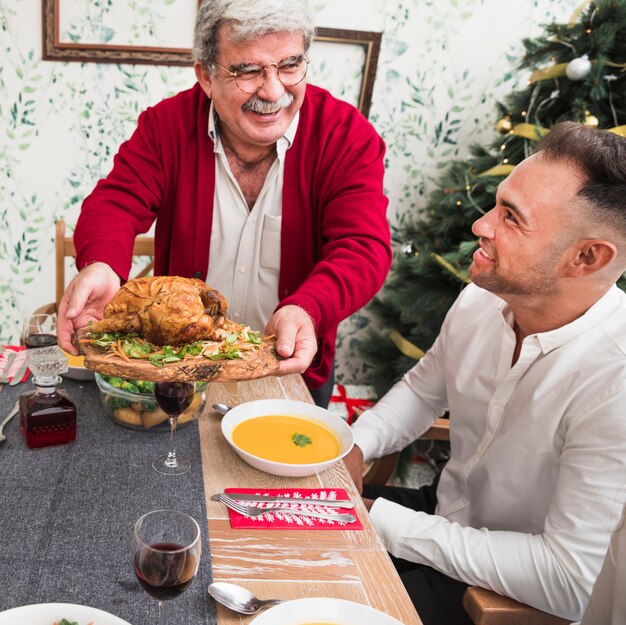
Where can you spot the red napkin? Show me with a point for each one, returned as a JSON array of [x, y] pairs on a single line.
[[17, 362], [278, 521]]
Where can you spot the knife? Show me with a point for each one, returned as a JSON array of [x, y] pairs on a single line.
[[19, 374], [329, 503], [8, 361]]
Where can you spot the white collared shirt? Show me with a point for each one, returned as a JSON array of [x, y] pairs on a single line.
[[537, 477], [244, 258]]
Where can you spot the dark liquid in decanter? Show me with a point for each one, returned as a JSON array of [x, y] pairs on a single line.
[[47, 418]]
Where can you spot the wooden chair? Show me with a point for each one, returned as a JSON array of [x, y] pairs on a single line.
[[64, 247], [484, 607]]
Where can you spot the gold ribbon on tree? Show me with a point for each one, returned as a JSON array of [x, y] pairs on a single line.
[[406, 347], [451, 268], [534, 133]]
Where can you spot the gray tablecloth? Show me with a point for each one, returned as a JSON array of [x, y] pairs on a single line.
[[67, 512]]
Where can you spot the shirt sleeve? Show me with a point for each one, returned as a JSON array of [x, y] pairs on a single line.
[[608, 601], [554, 570], [410, 407]]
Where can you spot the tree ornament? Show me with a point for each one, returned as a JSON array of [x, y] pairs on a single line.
[[591, 120], [504, 125], [408, 249], [578, 69]]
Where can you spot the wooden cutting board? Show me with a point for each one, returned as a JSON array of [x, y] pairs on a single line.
[[256, 364]]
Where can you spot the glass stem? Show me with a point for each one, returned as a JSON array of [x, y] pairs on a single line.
[[171, 460], [162, 613]]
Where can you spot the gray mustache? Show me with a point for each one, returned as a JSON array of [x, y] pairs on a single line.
[[258, 105]]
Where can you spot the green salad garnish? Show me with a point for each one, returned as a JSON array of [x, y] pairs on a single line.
[[133, 346]]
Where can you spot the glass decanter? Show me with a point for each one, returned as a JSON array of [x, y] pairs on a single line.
[[47, 414]]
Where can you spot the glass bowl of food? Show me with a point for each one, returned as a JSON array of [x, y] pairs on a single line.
[[131, 404]]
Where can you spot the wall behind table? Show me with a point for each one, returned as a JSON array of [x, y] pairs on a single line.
[[443, 64]]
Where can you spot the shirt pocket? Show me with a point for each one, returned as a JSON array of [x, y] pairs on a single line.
[[269, 257]]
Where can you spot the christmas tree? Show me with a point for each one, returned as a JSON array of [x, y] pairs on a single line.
[[577, 71]]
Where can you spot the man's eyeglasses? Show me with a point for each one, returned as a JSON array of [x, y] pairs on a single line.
[[250, 78]]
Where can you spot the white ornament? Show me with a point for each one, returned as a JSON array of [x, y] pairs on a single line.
[[408, 249], [579, 68]]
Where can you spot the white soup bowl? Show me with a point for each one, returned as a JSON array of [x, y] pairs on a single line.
[[311, 412]]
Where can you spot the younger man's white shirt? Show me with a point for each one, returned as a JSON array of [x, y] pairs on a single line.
[[535, 483]]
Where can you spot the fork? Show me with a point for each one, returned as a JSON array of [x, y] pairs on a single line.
[[252, 511]]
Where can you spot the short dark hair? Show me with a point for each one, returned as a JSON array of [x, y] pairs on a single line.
[[600, 157]]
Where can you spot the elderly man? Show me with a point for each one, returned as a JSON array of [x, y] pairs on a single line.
[[268, 188], [531, 366]]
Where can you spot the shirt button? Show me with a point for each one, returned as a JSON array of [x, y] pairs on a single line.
[[242, 269], [237, 314]]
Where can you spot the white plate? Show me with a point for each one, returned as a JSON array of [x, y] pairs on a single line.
[[331, 611], [79, 373], [49, 613]]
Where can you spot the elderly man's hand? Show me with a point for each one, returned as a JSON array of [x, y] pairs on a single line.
[[295, 338], [84, 300]]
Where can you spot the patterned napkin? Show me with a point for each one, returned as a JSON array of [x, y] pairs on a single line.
[[278, 521], [18, 361]]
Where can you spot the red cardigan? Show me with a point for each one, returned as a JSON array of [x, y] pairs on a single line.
[[335, 248]]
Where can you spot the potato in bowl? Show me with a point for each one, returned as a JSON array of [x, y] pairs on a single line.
[[286, 437]]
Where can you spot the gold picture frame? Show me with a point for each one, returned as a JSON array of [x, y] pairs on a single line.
[[56, 50]]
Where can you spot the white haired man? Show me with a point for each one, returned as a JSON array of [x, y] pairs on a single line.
[[268, 188]]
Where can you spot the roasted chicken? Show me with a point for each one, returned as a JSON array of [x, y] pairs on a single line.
[[165, 310]]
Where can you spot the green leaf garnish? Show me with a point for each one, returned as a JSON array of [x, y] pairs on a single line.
[[301, 440], [254, 337], [229, 353], [134, 347]]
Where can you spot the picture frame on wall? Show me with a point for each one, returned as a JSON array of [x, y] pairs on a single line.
[[342, 61]]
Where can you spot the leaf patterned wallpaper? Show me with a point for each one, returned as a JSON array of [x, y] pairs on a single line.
[[443, 65]]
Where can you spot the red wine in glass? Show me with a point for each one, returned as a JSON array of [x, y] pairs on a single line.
[[173, 398], [164, 570], [40, 330], [166, 549], [40, 340]]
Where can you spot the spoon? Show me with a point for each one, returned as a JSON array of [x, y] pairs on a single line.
[[221, 408], [239, 599]]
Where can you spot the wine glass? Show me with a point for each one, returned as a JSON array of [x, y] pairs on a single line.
[[173, 398], [40, 330], [166, 554]]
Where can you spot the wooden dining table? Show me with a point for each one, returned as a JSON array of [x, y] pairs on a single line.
[[67, 511], [290, 564]]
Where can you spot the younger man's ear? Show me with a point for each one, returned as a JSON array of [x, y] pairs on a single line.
[[592, 255]]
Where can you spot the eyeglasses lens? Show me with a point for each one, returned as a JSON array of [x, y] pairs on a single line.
[[289, 75]]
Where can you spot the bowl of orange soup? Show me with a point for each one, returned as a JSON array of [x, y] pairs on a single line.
[[287, 437], [76, 369], [323, 611]]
